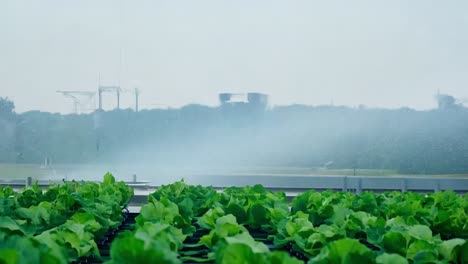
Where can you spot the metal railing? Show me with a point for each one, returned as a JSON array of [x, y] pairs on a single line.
[[290, 184]]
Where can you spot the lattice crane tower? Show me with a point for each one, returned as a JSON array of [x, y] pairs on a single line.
[[79, 98]]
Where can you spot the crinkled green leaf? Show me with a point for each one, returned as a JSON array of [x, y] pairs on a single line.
[[391, 259], [420, 232], [395, 242], [422, 249], [344, 251], [9, 225], [208, 220], [450, 249], [130, 249]]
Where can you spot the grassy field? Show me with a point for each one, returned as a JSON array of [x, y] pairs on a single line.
[[22, 171], [312, 171]]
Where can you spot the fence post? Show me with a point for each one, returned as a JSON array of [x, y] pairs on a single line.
[[134, 178], [359, 186], [28, 181], [404, 187], [345, 184], [437, 185]]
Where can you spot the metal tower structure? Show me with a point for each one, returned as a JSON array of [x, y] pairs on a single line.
[[77, 97], [109, 89], [257, 99]]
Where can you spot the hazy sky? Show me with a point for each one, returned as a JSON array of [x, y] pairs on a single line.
[[378, 53]]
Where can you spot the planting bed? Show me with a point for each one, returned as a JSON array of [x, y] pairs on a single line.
[[182, 223]]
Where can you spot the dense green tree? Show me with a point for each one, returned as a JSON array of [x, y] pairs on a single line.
[[410, 141], [7, 130], [6, 106]]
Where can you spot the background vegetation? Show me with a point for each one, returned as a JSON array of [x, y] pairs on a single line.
[[404, 140]]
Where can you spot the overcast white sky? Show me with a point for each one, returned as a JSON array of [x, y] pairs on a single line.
[[378, 53]]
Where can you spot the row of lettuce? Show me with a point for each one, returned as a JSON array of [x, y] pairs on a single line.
[[189, 223], [172, 214], [60, 224], [317, 227]]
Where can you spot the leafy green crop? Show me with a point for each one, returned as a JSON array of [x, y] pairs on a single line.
[[226, 226], [242, 248], [344, 251], [193, 201], [412, 226], [255, 206], [61, 224], [224, 214], [150, 243], [164, 211], [232, 243], [161, 227], [323, 227]]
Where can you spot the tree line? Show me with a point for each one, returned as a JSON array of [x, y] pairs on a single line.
[[406, 140]]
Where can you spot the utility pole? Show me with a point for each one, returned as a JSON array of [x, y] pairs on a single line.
[[118, 99], [100, 99], [137, 94]]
